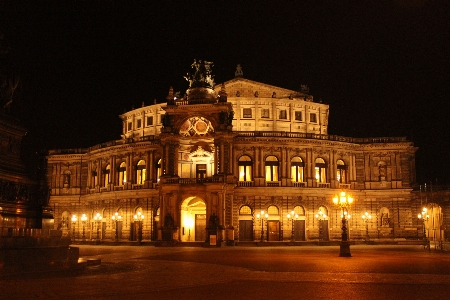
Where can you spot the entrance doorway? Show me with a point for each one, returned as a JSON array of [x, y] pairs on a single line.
[[323, 230], [299, 230], [193, 220], [200, 228], [273, 228], [245, 230]]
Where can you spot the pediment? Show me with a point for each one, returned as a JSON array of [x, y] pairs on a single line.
[[248, 88]]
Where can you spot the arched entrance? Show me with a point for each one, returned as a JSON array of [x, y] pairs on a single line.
[[245, 223], [434, 223], [193, 220]]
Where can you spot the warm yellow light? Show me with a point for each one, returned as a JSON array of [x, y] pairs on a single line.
[[97, 217], [335, 199], [83, 217], [74, 218], [189, 222], [288, 216]]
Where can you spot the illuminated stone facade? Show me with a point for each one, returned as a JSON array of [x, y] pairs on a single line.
[[208, 162]]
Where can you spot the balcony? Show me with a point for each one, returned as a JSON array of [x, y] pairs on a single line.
[[273, 183], [325, 185], [137, 186], [298, 184], [245, 183]]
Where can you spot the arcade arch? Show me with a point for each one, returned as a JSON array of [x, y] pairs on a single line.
[[193, 219]]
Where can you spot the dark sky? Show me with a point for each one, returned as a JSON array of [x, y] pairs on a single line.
[[383, 66]]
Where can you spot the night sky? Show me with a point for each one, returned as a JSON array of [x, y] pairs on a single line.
[[382, 66]]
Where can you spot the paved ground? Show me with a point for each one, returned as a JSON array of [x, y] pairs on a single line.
[[309, 272]]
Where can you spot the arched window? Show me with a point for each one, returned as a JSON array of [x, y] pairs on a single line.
[[245, 165], [320, 170], [272, 165], [272, 210], [245, 210], [106, 175], [122, 173], [297, 169], [323, 210], [341, 175], [141, 172], [299, 210]]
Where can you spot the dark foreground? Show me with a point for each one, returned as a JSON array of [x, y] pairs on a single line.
[[310, 272]]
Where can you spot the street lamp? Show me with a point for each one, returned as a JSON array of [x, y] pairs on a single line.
[[366, 218], [320, 216], [424, 216], [262, 216], [139, 218], [344, 200], [98, 220], [116, 218], [74, 221], [83, 220], [294, 217]]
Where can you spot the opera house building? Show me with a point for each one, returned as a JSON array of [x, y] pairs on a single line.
[[238, 161]]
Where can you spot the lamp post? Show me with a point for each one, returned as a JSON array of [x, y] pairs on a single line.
[[74, 221], [83, 220], [98, 220], [366, 218], [424, 216], [262, 216], [139, 218], [344, 200], [292, 216], [116, 218], [320, 216]]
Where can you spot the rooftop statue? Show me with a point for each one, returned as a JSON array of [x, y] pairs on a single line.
[[201, 75], [238, 72]]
